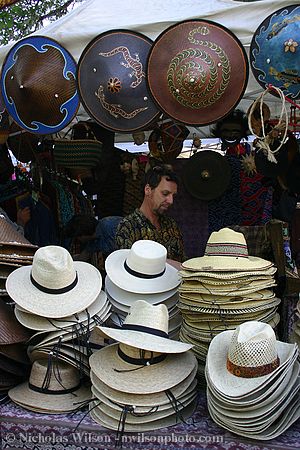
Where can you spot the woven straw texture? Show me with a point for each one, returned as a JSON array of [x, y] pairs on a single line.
[[77, 153]]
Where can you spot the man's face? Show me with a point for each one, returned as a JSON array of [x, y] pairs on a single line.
[[231, 133], [162, 196]]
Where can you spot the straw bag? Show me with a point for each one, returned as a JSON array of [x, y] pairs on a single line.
[[77, 153]]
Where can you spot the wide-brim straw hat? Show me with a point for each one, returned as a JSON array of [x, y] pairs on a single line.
[[142, 269], [126, 297], [62, 393], [237, 386], [188, 272], [170, 303], [54, 286], [39, 323], [110, 368], [226, 250], [146, 327]]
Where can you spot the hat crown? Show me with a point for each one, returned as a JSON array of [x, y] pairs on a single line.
[[253, 344], [227, 242], [147, 257], [63, 377], [144, 314], [53, 267]]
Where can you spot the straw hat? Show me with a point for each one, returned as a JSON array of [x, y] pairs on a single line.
[[53, 391], [146, 327], [226, 250], [113, 367], [11, 331], [143, 269], [54, 286], [240, 361]]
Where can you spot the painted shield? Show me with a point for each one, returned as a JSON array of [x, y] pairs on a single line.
[[112, 81], [197, 71], [274, 51], [38, 84]]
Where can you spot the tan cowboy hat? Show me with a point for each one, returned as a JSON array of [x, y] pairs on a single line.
[[226, 250], [54, 286], [52, 391], [241, 361], [190, 272], [146, 327], [143, 269], [121, 366]]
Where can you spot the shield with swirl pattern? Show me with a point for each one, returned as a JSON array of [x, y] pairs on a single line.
[[112, 81], [38, 85], [197, 71], [274, 51]]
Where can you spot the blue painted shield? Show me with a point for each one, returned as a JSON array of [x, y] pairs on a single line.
[[275, 51], [38, 85]]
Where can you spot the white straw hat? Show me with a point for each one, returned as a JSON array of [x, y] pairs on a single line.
[[54, 286], [53, 390], [146, 327], [240, 361], [143, 269], [226, 250]]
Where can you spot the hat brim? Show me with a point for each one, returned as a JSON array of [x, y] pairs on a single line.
[[106, 365], [114, 266], [144, 341], [227, 264], [231, 385], [25, 294]]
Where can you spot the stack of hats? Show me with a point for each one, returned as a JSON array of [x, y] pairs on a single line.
[[62, 301], [142, 273], [146, 381], [222, 289], [14, 364], [51, 389], [295, 335], [15, 251], [253, 381]]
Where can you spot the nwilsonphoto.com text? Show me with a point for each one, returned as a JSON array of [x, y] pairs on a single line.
[[48, 440]]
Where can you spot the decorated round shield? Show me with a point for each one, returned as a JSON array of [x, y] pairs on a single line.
[[197, 71], [112, 81], [206, 175], [38, 85], [274, 51]]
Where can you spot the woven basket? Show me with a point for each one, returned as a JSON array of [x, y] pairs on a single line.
[[77, 153]]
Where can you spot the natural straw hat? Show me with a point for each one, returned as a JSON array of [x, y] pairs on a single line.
[[146, 327], [138, 372], [143, 269], [11, 331], [226, 250], [51, 390], [240, 361], [54, 286]]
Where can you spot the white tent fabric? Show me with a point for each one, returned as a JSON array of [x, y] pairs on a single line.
[[150, 17]]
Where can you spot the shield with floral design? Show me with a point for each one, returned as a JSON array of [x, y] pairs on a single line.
[[112, 81], [274, 51], [38, 85], [197, 71]]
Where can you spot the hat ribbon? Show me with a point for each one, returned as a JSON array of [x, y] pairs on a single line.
[[54, 291], [140, 274], [142, 362], [144, 329], [252, 372], [232, 249], [42, 390]]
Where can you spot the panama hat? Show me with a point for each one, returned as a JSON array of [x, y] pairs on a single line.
[[142, 269], [120, 365], [54, 391], [146, 327], [126, 297], [226, 250], [54, 286], [240, 361]]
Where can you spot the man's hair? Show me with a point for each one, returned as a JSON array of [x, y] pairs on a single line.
[[80, 225], [154, 175]]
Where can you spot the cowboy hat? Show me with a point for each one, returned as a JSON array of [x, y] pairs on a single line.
[[54, 286], [226, 250], [146, 327], [142, 269]]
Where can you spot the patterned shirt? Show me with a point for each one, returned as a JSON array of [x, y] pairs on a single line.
[[136, 226]]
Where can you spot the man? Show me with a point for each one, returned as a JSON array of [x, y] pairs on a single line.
[[149, 221]]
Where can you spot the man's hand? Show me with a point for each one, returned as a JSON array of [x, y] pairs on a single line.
[[23, 216]]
